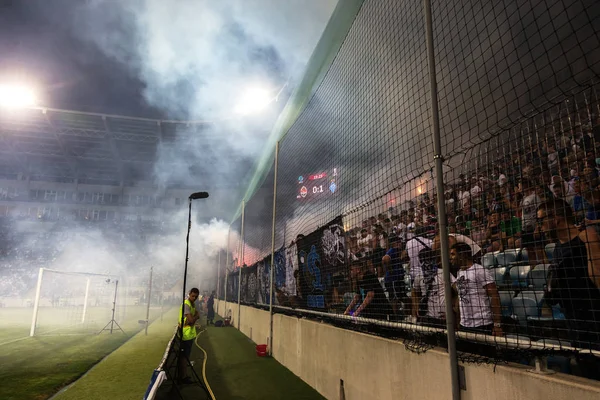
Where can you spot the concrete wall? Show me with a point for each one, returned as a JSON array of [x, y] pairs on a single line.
[[377, 368]]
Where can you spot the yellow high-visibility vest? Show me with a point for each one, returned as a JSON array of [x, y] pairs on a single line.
[[189, 332]]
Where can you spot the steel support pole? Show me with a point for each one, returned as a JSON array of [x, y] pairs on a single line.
[[272, 272], [218, 273], [226, 272], [241, 262], [443, 230]]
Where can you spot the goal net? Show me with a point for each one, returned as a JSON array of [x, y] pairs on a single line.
[[73, 302]]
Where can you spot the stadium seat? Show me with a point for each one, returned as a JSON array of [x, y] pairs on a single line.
[[518, 275], [523, 255], [557, 313], [537, 295], [505, 258], [506, 297], [537, 276], [550, 251], [500, 274], [489, 260], [523, 308]]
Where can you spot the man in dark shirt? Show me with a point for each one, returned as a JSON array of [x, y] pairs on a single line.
[[210, 309], [575, 279], [374, 304], [394, 273]]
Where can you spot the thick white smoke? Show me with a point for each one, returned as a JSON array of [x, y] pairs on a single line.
[[195, 59]]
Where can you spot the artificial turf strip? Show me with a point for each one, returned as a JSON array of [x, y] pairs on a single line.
[[125, 373], [234, 371]]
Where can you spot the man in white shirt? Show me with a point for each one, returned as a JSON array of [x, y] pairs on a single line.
[[413, 247], [530, 203], [479, 302], [365, 242], [433, 292]]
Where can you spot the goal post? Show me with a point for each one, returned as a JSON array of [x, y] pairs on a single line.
[[36, 302], [64, 299]]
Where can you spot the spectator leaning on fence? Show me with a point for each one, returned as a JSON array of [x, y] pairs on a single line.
[[574, 280], [479, 302], [394, 274], [374, 304]]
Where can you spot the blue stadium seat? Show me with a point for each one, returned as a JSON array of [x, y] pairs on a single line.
[[523, 308], [538, 276], [506, 297], [557, 313], [523, 255], [500, 275], [538, 297], [505, 258], [518, 275], [550, 251], [489, 260]]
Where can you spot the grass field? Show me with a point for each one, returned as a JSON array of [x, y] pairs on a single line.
[[234, 371], [125, 373], [37, 367]]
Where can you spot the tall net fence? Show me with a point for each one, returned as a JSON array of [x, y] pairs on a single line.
[[357, 222]]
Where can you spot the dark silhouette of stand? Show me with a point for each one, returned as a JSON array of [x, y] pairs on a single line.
[[112, 321]]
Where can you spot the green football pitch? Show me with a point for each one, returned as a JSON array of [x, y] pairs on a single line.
[[232, 370], [119, 366], [37, 367]]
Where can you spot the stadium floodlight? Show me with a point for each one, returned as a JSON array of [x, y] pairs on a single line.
[[254, 100], [16, 96]]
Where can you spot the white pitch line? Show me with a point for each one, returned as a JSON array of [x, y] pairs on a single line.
[[15, 340]]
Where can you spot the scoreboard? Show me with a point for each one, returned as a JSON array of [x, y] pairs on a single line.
[[317, 185]]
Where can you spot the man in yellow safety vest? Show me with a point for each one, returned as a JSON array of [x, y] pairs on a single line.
[[190, 316]]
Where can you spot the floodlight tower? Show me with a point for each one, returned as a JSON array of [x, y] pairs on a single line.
[[17, 96]]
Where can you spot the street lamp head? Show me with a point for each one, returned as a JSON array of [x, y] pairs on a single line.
[[16, 96]]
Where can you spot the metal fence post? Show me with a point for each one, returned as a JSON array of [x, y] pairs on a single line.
[[218, 273], [272, 272], [226, 265], [224, 315], [443, 231], [241, 262]]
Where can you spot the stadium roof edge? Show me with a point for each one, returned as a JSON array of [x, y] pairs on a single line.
[[116, 116]]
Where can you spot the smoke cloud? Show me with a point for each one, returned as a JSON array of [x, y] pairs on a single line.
[[195, 59]]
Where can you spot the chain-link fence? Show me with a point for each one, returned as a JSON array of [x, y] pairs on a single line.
[[357, 215]]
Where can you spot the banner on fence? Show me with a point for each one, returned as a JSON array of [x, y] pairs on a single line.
[[322, 266]]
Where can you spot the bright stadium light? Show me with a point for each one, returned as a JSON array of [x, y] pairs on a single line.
[[254, 100], [16, 96]]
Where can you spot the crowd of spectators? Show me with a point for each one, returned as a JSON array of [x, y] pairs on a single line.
[[26, 248], [539, 201]]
